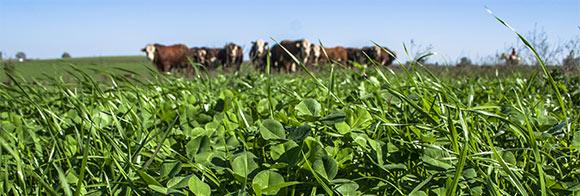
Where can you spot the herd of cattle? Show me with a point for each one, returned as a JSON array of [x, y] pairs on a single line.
[[179, 57]]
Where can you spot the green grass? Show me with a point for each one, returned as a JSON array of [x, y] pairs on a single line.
[[428, 132], [98, 68], [92, 65]]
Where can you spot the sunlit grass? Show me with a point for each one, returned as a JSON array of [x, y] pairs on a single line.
[[415, 131]]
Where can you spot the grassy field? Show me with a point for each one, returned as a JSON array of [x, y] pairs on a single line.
[[39, 69], [99, 68], [138, 66], [411, 130]]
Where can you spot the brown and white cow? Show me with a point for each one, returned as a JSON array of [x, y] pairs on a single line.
[[167, 58], [259, 54], [234, 56], [315, 54], [281, 59]]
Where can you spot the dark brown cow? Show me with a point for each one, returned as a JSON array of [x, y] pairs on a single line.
[[234, 56], [214, 57], [167, 58], [259, 54], [200, 55], [386, 56], [231, 56], [355, 55], [379, 55], [369, 53], [281, 59], [197, 54]]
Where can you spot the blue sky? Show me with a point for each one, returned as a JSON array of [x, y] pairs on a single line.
[[455, 28]]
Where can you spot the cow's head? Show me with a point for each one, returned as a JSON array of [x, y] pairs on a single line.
[[378, 50], [316, 50], [260, 46], [200, 55], [232, 50], [149, 51], [202, 52], [305, 46], [195, 54]]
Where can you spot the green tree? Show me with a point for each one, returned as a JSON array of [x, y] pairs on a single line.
[[464, 62], [21, 56], [65, 55]]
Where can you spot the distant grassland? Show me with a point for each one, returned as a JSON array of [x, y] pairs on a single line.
[[98, 67], [60, 67], [139, 66]]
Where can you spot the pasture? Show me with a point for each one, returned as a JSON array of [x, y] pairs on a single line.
[[39, 69], [407, 130], [101, 67]]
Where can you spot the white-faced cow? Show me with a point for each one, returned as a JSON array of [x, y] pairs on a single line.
[[197, 54], [234, 56], [259, 54], [281, 59], [315, 54], [167, 58], [214, 57]]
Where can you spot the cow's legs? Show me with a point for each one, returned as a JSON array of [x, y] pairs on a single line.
[[190, 72], [166, 67], [291, 68]]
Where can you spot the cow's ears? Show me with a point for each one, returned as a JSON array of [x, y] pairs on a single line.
[[265, 43], [144, 50], [298, 45]]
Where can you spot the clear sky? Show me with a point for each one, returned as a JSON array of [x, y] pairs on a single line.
[[455, 28]]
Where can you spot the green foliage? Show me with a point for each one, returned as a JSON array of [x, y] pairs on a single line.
[[267, 179], [272, 129], [198, 187], [308, 107], [395, 133]]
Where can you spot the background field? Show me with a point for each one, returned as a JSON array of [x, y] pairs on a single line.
[[139, 66], [97, 67], [60, 67]]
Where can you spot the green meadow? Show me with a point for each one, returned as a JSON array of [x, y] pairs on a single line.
[[112, 126]]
